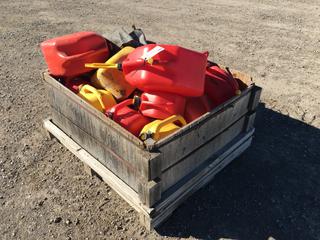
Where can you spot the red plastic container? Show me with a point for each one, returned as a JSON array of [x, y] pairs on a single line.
[[127, 117], [220, 85], [66, 55], [168, 69], [196, 107], [161, 105]]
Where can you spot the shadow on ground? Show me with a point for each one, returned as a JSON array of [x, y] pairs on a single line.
[[273, 189]]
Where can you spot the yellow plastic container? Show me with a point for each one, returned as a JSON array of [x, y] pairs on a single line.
[[112, 79], [161, 128], [100, 99]]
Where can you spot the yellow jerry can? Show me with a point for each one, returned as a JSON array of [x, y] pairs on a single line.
[[112, 79], [100, 99], [161, 128]]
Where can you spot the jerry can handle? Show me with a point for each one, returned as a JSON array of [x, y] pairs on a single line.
[[168, 120], [95, 92], [119, 106], [148, 103], [101, 65], [82, 55]]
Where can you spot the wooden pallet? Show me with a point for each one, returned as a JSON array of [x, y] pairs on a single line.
[[152, 217]]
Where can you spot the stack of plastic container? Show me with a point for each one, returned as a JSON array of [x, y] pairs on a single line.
[[151, 90]]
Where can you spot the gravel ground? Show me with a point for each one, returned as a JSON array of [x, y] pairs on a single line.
[[272, 190]]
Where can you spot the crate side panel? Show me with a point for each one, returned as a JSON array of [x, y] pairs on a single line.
[[183, 145], [114, 163], [199, 156], [77, 113], [194, 183]]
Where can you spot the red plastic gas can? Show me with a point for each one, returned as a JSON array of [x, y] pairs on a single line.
[[166, 68], [127, 117], [196, 107], [220, 85], [66, 55], [161, 105]]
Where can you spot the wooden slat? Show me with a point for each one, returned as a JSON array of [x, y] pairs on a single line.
[[165, 208], [201, 131], [182, 186], [150, 192], [250, 117], [108, 177], [255, 98], [104, 130], [120, 167], [172, 175]]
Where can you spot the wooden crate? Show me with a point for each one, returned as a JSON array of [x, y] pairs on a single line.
[[154, 177]]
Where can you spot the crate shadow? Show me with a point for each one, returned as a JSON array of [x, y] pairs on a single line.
[[273, 189]]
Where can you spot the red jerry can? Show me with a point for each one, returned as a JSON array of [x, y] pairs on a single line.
[[67, 55], [196, 107], [161, 105], [130, 119], [166, 68], [220, 85]]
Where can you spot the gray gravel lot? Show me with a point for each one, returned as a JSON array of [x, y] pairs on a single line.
[[271, 190]]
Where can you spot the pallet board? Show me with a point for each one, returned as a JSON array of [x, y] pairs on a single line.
[[153, 217]]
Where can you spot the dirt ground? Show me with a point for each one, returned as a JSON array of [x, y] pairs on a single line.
[[272, 190]]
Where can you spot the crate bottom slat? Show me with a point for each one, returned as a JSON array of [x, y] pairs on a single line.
[[152, 217]]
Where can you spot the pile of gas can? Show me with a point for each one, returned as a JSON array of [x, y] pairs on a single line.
[[151, 90]]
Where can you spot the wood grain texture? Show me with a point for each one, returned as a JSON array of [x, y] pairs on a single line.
[[109, 177], [122, 168], [186, 165], [250, 117], [255, 98], [150, 192], [203, 130], [165, 208]]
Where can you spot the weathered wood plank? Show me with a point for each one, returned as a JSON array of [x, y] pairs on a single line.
[[104, 130], [186, 165], [255, 98], [194, 184], [150, 192], [127, 193], [200, 132], [123, 169], [184, 184], [250, 117]]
